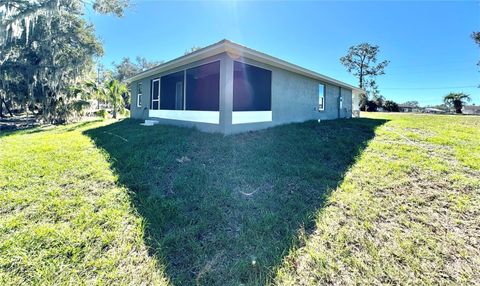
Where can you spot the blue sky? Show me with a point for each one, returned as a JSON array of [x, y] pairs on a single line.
[[428, 43]]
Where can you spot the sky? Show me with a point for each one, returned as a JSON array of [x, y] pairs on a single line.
[[427, 43]]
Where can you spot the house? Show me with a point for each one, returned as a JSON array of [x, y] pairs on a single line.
[[408, 108], [433, 110], [229, 88], [471, 109]]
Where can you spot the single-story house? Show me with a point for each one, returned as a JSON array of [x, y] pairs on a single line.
[[434, 110], [471, 109], [229, 88], [408, 108]]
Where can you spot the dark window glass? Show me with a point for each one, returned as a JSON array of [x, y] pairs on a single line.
[[155, 105], [203, 87], [171, 91], [155, 90], [252, 88]]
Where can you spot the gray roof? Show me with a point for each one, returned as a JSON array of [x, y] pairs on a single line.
[[471, 107], [233, 48]]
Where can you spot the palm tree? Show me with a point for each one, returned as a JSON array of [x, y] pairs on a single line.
[[457, 99], [113, 92]]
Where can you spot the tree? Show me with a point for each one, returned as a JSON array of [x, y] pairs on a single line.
[[412, 103], [362, 101], [371, 106], [391, 106], [379, 100], [191, 50], [58, 53], [45, 47], [457, 100], [113, 91], [127, 68], [361, 61], [476, 38]]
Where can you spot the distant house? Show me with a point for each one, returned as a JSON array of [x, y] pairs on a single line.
[[408, 108], [433, 110], [229, 88], [471, 109]]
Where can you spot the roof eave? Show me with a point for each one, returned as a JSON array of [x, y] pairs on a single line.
[[206, 52], [236, 50], [276, 62]]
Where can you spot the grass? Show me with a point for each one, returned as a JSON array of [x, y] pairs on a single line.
[[389, 199], [407, 212], [63, 218]]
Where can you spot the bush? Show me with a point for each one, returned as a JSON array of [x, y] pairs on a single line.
[[101, 113], [126, 112], [391, 106], [371, 105]]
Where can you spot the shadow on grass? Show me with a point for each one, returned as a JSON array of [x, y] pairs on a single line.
[[226, 210]]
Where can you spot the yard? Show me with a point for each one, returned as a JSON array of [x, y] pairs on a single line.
[[388, 199]]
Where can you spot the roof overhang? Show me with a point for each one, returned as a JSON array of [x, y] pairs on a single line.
[[238, 51]]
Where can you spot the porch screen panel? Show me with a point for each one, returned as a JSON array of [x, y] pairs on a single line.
[[203, 87], [252, 88], [171, 91]]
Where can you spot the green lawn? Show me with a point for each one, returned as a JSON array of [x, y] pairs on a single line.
[[391, 199]]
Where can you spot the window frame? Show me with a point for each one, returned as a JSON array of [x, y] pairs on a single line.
[[271, 85], [156, 100], [219, 84], [139, 94], [321, 105], [184, 70]]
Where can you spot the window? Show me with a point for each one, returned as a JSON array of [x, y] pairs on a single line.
[[155, 94], [139, 94], [252, 88], [321, 97], [171, 91], [341, 102], [203, 87]]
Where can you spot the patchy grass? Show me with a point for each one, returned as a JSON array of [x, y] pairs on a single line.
[[63, 218], [407, 212], [225, 210], [390, 199]]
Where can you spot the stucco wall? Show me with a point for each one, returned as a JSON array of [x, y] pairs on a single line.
[[294, 98]]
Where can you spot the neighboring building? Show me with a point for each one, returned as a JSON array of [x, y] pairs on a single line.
[[408, 108], [229, 88], [433, 110], [471, 109]]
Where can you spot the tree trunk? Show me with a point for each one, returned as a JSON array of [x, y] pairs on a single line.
[[1, 107], [114, 112], [3, 102]]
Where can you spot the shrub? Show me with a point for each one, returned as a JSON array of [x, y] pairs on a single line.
[[391, 106], [371, 105], [101, 113]]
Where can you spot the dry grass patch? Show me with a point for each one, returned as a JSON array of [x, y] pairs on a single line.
[[408, 212]]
